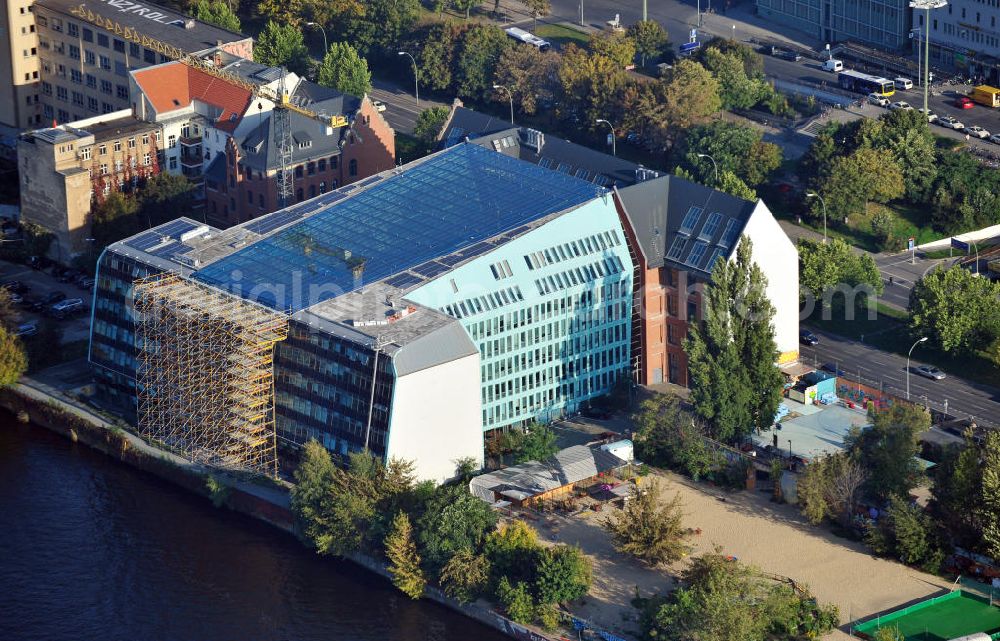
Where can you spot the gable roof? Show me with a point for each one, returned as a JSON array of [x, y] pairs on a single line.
[[680, 223], [175, 85], [526, 480]]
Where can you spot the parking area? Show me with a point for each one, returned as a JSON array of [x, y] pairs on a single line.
[[42, 294]]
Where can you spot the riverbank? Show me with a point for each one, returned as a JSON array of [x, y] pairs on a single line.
[[269, 503]]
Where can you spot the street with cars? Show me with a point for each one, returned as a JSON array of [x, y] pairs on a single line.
[[39, 290]]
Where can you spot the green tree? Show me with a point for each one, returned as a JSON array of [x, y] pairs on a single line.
[[863, 176], [436, 45], [735, 385], [479, 52], [564, 574], [512, 551], [956, 310], [531, 75], [286, 12], [650, 40], [516, 601], [591, 85], [724, 600], [736, 148], [957, 492], [753, 62], [314, 479], [384, 25], [737, 90], [429, 124], [989, 513], [734, 186], [281, 45], [815, 166], [888, 448], [888, 633], [344, 70], [911, 529], [649, 529], [539, 444], [811, 492], [616, 47], [830, 487], [165, 197], [464, 6], [13, 360], [667, 435], [114, 218], [404, 563], [690, 95], [465, 575], [217, 12], [825, 268], [453, 520]]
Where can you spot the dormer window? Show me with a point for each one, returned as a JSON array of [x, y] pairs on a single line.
[[305, 144]]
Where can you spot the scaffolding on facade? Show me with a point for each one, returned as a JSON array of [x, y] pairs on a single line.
[[204, 372]]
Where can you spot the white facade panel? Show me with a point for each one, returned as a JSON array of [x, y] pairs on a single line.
[[436, 418]]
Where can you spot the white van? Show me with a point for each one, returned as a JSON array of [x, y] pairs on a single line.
[[833, 65], [903, 83]]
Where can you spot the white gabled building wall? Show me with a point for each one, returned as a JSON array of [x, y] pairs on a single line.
[[436, 418], [777, 257]]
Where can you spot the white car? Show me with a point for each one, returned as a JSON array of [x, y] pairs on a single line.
[[977, 131], [950, 122], [902, 83], [995, 138], [379, 105], [878, 99], [932, 373], [931, 116], [905, 106]]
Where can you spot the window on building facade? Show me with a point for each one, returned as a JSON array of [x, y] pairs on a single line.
[[102, 39], [105, 62], [85, 153], [106, 86], [149, 56], [107, 107], [171, 141], [117, 145], [62, 93], [298, 173], [322, 165], [298, 195], [88, 35], [104, 169], [121, 69], [322, 186], [77, 98], [353, 167], [74, 52], [311, 168], [173, 162], [89, 58], [333, 162], [102, 149], [76, 76], [133, 50], [46, 88]]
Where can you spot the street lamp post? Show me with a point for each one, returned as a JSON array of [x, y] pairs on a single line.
[[511, 95], [715, 167], [416, 77], [326, 46], [922, 339], [976, 247], [927, 5], [813, 194], [790, 464], [614, 150]]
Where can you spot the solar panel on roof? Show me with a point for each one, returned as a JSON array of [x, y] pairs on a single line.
[[477, 249], [404, 280], [145, 241], [452, 260], [275, 220], [431, 269], [171, 250], [444, 203]]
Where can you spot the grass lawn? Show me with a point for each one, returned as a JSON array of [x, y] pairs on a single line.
[[561, 35]]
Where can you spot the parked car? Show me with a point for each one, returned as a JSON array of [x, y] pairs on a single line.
[[964, 102], [950, 122], [379, 105], [87, 283], [834, 66], [48, 300], [16, 287], [932, 373], [995, 138], [67, 307], [905, 106], [784, 54], [69, 276], [833, 369], [29, 328], [808, 338], [931, 116], [878, 99], [977, 131], [902, 83]]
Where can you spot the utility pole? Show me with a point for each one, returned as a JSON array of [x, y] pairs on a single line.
[[644, 13], [927, 5]]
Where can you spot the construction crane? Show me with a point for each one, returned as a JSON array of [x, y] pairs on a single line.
[[281, 99]]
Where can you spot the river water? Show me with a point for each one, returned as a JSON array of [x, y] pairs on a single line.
[[91, 549]]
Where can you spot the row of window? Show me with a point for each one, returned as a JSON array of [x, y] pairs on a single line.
[[487, 302], [579, 275], [573, 249], [102, 39]]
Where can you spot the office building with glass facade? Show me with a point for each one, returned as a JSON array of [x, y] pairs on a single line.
[[465, 292]]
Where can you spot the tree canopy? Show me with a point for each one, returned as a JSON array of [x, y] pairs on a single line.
[[217, 12], [828, 268], [737, 89], [736, 148], [13, 360], [282, 45], [344, 70], [735, 385], [649, 528], [691, 94], [650, 40], [956, 310], [476, 60], [887, 450]]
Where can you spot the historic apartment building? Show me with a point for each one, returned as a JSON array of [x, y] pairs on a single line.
[[64, 169], [66, 60], [221, 129]]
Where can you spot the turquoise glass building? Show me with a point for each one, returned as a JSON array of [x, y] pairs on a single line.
[[465, 292]]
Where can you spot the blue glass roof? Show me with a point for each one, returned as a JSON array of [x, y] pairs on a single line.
[[438, 206]]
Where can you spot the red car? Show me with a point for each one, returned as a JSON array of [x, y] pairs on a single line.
[[964, 102]]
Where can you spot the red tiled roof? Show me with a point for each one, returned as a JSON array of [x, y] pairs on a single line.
[[174, 85]]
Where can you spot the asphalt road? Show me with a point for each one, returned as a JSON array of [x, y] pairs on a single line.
[[402, 109], [904, 274], [888, 371], [42, 283]]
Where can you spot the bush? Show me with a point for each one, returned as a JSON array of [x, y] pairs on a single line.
[[516, 601]]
